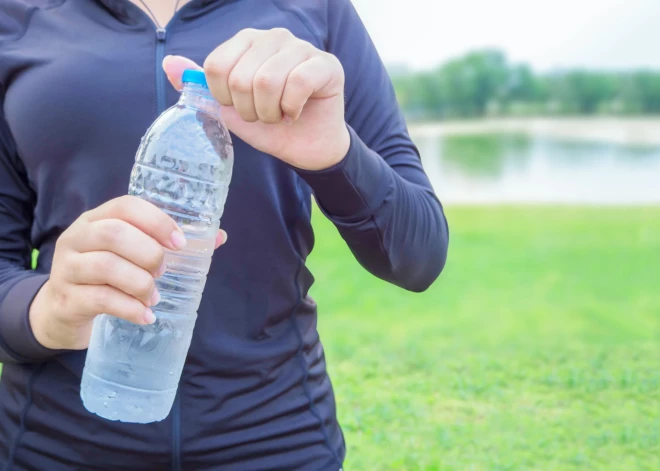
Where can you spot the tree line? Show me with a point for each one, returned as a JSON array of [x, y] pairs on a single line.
[[484, 83]]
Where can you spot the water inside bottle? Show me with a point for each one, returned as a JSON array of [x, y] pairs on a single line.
[[183, 166]]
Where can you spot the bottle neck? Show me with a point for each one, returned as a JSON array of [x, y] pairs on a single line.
[[199, 98]]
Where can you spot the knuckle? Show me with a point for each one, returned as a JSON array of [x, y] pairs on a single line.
[[160, 219], [335, 63], [133, 314], [304, 48], [103, 300], [154, 256], [247, 33], [120, 206], [159, 216], [70, 266], [239, 83], [61, 300], [280, 33], [124, 201], [157, 258], [102, 264], [215, 67], [289, 107], [270, 118], [265, 82], [62, 241], [85, 215], [145, 286], [298, 79], [330, 58], [111, 233]]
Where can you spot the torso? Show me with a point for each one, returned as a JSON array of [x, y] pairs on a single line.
[[82, 86]]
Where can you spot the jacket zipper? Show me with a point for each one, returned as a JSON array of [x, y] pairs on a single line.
[[176, 433], [161, 41], [161, 103]]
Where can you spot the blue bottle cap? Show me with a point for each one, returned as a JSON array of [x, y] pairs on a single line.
[[194, 76]]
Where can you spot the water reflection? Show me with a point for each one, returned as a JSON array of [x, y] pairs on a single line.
[[487, 155], [500, 168]]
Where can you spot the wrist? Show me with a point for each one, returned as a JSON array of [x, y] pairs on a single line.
[[335, 153], [356, 186], [37, 316]]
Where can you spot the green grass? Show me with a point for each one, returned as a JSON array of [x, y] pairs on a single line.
[[537, 349]]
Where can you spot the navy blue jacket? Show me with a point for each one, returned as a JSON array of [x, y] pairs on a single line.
[[80, 82]]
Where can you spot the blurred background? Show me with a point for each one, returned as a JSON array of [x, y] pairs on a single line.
[[539, 346]]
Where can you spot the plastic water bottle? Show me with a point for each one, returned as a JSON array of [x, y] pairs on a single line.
[[183, 166]]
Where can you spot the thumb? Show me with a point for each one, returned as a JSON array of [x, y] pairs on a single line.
[[174, 67]]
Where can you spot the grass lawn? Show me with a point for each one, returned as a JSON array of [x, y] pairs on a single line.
[[537, 349]]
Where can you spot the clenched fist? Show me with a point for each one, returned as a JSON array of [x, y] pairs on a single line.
[[279, 94]]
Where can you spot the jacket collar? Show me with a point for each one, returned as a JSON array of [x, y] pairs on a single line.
[[130, 13]]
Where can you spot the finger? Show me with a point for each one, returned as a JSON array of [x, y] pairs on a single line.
[[319, 77], [174, 66], [270, 79], [143, 215], [103, 299], [107, 268], [219, 64], [221, 238], [123, 239], [242, 79]]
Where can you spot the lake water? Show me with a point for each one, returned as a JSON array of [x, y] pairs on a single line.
[[523, 168]]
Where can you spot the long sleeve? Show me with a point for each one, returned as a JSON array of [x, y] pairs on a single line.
[[18, 284], [379, 197]]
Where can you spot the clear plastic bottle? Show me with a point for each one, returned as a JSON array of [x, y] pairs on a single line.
[[184, 166]]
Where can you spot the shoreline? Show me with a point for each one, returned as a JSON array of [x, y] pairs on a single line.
[[639, 131]]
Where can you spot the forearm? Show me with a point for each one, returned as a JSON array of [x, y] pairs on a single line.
[[18, 287], [389, 216]]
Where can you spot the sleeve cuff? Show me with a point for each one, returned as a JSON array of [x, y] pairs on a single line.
[[356, 186], [15, 329]]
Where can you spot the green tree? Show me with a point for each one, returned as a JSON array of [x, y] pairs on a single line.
[[467, 87]]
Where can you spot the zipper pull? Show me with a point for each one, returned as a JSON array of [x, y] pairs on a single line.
[[160, 34]]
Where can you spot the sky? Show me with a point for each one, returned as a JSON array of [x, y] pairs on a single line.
[[548, 35]]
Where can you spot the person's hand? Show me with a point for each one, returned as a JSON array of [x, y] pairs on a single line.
[[105, 262], [279, 94]]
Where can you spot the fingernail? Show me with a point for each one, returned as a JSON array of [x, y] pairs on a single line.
[[223, 237], [287, 119], [155, 297], [165, 60], [149, 316], [178, 240]]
